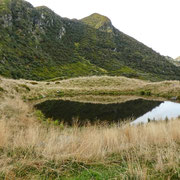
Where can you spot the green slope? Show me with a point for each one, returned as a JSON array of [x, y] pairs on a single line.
[[36, 43]]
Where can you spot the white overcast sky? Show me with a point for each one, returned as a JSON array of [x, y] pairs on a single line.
[[155, 23]]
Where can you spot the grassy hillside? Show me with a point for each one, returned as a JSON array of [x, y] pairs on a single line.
[[32, 147], [36, 43], [104, 89]]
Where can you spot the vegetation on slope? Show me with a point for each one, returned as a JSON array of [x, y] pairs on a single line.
[[36, 43]]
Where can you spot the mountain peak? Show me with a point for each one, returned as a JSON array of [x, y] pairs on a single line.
[[98, 16], [98, 21]]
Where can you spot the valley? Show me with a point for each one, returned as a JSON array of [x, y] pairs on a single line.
[[79, 99]]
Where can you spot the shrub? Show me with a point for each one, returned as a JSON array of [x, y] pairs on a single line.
[[1, 89], [25, 86], [34, 83], [145, 93], [56, 122], [40, 115], [57, 82], [142, 93], [148, 93]]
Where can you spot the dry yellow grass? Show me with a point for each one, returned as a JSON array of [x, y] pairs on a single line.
[[19, 129], [26, 141], [94, 142], [83, 88]]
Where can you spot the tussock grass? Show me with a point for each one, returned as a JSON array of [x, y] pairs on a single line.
[[100, 87], [32, 149], [144, 150]]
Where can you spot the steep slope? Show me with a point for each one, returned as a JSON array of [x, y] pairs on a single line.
[[132, 54], [36, 43]]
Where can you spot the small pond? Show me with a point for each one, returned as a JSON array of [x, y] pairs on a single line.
[[141, 110], [68, 111]]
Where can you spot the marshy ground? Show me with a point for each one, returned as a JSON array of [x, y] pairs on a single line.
[[33, 147]]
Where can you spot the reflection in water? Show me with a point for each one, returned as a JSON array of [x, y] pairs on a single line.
[[165, 110], [67, 110]]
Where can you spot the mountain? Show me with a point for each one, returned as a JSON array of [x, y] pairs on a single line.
[[36, 43]]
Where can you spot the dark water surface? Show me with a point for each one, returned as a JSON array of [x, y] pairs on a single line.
[[67, 111]]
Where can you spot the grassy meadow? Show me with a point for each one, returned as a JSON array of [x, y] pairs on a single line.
[[97, 89], [33, 147]]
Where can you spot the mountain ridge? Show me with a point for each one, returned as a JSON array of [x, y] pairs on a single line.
[[36, 43]]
